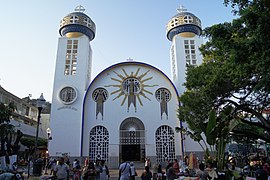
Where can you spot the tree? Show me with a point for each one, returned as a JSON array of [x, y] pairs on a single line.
[[234, 79], [6, 133], [29, 142]]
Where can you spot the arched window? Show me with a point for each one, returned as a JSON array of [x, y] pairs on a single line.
[[99, 143], [165, 146]]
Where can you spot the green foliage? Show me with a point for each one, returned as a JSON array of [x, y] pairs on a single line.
[[5, 115], [6, 112], [211, 133], [229, 92], [30, 142]]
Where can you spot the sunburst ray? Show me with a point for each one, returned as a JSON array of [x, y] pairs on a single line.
[[126, 74], [132, 86], [147, 91], [119, 75], [139, 99], [116, 91], [137, 72]]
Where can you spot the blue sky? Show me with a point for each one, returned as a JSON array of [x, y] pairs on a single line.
[[125, 28]]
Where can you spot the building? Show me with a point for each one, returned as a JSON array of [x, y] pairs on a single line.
[[184, 30], [24, 118], [128, 111]]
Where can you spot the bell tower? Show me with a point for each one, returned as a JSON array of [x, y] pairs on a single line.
[[71, 79], [184, 30]]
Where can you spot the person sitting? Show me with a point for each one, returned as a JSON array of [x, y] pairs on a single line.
[[211, 171]]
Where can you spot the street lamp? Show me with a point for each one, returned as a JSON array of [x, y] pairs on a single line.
[[40, 104], [47, 152], [49, 133]]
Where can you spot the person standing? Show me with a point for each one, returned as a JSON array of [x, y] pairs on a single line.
[[133, 172], [147, 174], [104, 174], [147, 162], [176, 166], [61, 169], [98, 169], [53, 167], [155, 171], [77, 170], [160, 172], [124, 169], [86, 162], [90, 172], [171, 175]]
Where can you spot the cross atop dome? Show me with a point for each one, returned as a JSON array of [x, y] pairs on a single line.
[[129, 59], [181, 9], [79, 8]]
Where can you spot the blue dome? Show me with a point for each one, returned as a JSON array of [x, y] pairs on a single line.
[[78, 22], [183, 22]]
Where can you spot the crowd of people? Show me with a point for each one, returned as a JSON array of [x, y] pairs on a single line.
[[173, 170], [63, 169]]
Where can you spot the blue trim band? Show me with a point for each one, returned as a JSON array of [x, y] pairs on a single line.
[[77, 28], [184, 28]]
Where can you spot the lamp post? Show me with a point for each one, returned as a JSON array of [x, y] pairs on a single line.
[[49, 134], [40, 104], [47, 152]]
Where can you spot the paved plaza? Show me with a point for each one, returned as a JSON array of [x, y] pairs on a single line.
[[113, 174]]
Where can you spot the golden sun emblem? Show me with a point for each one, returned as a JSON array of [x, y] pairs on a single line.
[[131, 87]]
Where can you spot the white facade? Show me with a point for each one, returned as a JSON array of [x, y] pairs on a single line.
[[129, 111], [179, 60], [121, 121], [184, 31], [66, 116]]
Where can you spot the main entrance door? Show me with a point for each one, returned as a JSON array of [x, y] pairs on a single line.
[[132, 140], [131, 152]]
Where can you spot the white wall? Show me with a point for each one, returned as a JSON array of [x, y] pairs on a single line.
[[114, 113]]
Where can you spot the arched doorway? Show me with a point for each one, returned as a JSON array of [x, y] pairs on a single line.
[[132, 140]]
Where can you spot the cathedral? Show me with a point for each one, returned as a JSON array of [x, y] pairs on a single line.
[[129, 110]]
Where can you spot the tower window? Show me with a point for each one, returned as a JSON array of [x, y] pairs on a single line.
[[74, 19], [188, 19], [71, 57], [190, 52], [87, 22]]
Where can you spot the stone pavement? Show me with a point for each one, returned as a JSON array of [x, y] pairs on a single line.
[[113, 173]]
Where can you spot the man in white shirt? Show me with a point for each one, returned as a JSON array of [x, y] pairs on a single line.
[[61, 169], [124, 170]]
